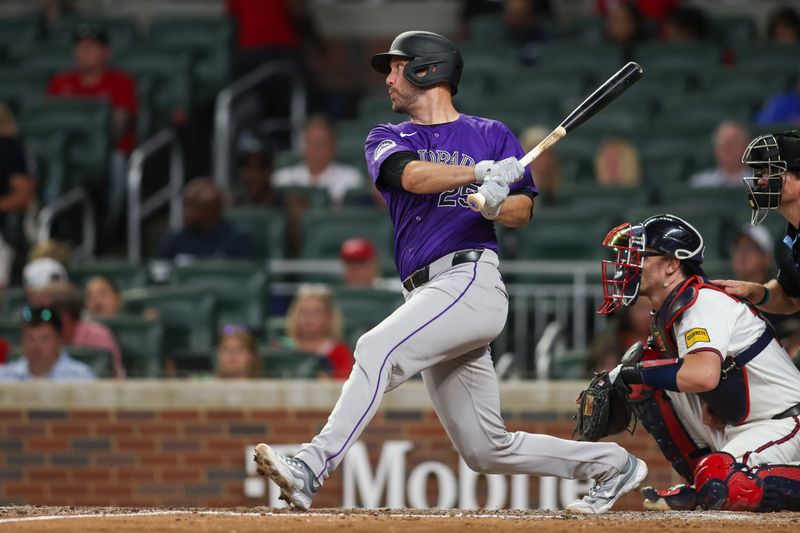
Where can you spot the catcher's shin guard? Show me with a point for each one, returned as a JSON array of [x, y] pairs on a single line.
[[781, 487], [722, 483]]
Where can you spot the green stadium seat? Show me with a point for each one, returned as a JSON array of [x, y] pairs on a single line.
[[125, 275], [240, 288], [141, 341], [187, 313], [122, 32], [17, 35], [266, 227], [18, 88], [86, 122], [662, 169], [209, 39], [166, 74], [768, 59], [560, 234], [46, 60], [283, 363], [736, 32], [563, 58], [488, 28], [600, 199], [12, 300], [691, 61], [95, 358], [11, 329], [324, 231], [363, 309], [49, 149]]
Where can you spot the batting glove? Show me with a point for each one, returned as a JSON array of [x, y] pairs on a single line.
[[495, 192], [508, 170], [482, 169]]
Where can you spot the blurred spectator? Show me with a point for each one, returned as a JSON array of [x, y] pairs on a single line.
[[60, 251], [616, 163], [314, 324], [624, 27], [269, 31], [630, 324], [361, 268], [788, 332], [730, 140], [94, 78], [43, 354], [103, 298], [255, 180], [783, 26], [67, 301], [526, 21], [546, 168], [41, 272], [17, 197], [319, 169], [685, 24], [237, 355], [781, 108], [205, 233], [752, 254]]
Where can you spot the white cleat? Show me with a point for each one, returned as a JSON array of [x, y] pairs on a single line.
[[291, 475], [602, 496]]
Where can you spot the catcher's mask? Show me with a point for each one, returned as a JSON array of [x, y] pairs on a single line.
[[621, 275], [663, 234], [770, 156]]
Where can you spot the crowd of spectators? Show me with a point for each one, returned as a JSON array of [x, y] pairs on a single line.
[[285, 31]]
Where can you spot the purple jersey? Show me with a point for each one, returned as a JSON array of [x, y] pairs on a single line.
[[428, 226]]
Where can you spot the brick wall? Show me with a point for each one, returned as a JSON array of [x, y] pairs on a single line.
[[196, 455]]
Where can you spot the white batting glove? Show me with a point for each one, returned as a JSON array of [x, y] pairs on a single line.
[[482, 170], [495, 192], [508, 170]]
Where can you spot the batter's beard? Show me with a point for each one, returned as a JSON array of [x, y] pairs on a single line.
[[402, 102]]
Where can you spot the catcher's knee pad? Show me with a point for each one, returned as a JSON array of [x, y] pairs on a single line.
[[781, 487], [722, 483]]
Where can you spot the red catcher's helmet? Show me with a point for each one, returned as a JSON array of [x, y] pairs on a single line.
[[621, 276]]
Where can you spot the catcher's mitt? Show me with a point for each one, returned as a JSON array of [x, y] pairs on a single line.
[[602, 410]]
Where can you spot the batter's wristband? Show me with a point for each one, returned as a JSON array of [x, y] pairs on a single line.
[[765, 299], [661, 373]]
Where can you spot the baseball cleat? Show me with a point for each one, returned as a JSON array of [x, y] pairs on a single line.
[[603, 494], [291, 475], [677, 498]]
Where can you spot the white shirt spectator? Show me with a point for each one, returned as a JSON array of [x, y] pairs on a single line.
[[716, 177], [338, 178], [65, 368]]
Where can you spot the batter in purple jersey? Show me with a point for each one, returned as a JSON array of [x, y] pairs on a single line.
[[456, 302]]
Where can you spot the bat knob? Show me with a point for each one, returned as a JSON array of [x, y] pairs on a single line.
[[476, 201]]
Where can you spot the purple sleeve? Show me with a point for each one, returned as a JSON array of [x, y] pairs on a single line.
[[382, 142], [508, 146]]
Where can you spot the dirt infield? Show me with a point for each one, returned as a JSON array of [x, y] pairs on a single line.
[[36, 518]]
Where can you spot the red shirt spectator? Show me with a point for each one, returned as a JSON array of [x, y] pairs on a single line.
[[92, 78], [264, 23]]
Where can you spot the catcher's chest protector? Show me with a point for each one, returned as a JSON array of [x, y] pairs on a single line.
[[729, 400]]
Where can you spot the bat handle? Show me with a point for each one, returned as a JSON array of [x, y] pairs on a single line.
[[476, 201]]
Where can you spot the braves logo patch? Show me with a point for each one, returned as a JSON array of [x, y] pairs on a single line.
[[388, 144], [695, 335]]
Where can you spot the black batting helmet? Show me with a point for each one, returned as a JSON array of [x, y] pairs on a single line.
[[675, 237], [425, 50], [769, 156]]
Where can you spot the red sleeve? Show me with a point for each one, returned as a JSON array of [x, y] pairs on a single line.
[[55, 85], [125, 93], [341, 359]]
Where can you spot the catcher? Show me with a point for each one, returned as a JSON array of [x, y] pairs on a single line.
[[714, 388]]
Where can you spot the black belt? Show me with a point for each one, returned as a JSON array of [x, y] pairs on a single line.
[[422, 276], [790, 412]]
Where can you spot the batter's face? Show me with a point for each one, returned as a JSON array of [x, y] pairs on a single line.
[[403, 94]]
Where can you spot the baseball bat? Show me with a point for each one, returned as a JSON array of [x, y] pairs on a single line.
[[601, 97]]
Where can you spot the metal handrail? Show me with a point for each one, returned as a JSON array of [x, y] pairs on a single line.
[[224, 126], [139, 209], [64, 202]]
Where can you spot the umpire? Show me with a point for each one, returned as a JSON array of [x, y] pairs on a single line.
[[774, 186]]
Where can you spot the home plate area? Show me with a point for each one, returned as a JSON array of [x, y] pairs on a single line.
[[42, 518]]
